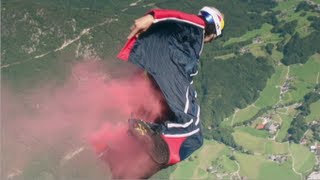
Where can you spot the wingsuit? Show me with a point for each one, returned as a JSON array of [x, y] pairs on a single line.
[[169, 51]]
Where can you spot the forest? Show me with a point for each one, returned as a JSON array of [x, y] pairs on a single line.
[[237, 81]]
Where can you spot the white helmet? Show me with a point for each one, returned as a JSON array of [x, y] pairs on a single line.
[[213, 16]]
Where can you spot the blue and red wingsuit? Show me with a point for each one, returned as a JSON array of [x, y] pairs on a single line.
[[169, 51]]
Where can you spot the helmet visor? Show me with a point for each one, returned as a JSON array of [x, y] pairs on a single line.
[[213, 16], [208, 17]]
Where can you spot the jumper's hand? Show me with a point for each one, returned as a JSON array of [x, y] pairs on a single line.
[[141, 25]]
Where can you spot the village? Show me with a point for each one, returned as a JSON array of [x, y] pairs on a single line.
[[314, 148], [272, 127], [315, 174]]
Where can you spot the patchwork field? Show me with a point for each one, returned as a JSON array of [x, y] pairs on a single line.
[[305, 77], [271, 94], [197, 165], [250, 35], [304, 160], [245, 114], [300, 79], [286, 120], [315, 113]]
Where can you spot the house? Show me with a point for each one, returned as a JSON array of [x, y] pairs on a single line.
[[244, 50], [271, 127], [257, 40], [278, 158], [314, 176], [260, 126], [313, 148], [303, 141], [211, 170]]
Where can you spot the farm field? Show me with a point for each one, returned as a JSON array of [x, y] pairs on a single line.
[[315, 113], [301, 78]]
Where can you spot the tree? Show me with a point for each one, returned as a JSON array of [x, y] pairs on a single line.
[[303, 6], [269, 48], [316, 131]]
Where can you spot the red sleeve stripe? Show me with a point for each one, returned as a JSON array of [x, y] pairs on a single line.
[[125, 51], [164, 14], [177, 19]]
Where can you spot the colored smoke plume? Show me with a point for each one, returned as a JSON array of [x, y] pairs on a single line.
[[92, 106]]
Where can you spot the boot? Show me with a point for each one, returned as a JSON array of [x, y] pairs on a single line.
[[156, 147]]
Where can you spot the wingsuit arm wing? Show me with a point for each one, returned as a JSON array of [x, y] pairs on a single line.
[[162, 15]]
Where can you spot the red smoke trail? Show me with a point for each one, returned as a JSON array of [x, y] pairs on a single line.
[[91, 105]]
